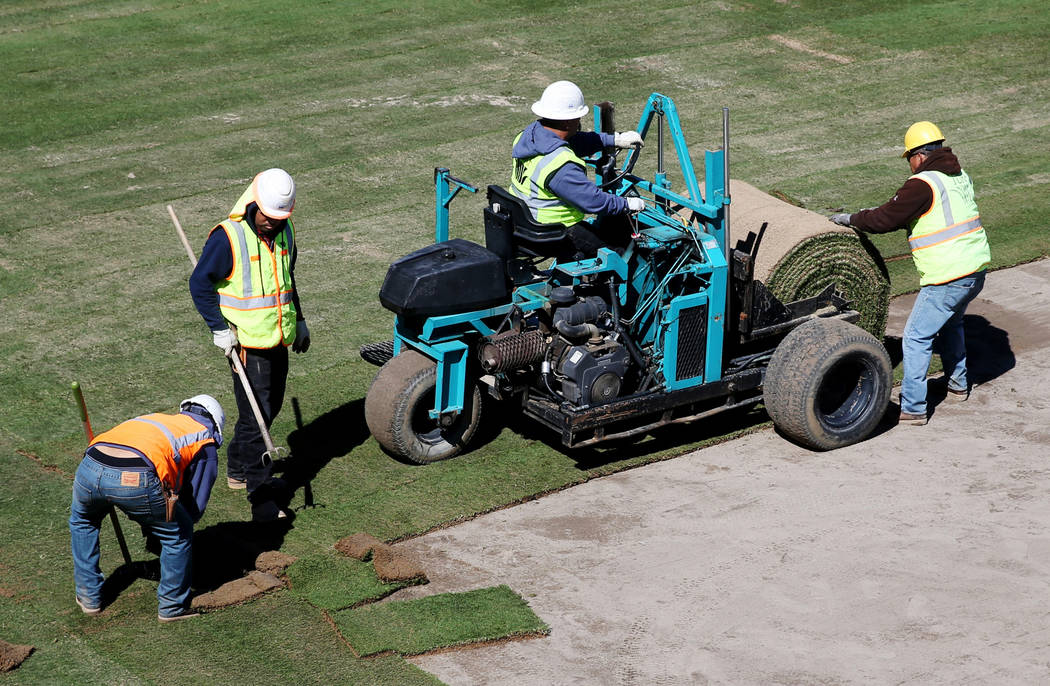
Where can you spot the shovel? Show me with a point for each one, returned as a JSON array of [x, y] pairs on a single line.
[[272, 452]]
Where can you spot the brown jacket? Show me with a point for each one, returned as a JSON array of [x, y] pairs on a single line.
[[911, 201]]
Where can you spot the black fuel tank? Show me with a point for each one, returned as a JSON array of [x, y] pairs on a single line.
[[445, 278]]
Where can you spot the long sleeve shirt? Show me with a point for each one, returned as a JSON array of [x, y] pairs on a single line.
[[570, 182], [215, 265], [911, 200]]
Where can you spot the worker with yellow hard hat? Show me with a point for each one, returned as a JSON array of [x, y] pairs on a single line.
[[948, 244], [244, 288]]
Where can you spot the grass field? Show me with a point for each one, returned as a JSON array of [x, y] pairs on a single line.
[[113, 110]]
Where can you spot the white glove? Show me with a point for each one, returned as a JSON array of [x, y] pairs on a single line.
[[627, 139], [842, 218], [302, 337], [226, 340], [635, 204]]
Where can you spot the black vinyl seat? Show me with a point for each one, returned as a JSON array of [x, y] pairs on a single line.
[[521, 241]]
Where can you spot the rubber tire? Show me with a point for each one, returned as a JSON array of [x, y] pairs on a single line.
[[396, 408], [828, 384]]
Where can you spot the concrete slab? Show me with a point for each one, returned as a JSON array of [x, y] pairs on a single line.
[[921, 556]]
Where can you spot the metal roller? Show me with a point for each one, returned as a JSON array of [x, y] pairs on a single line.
[[512, 352]]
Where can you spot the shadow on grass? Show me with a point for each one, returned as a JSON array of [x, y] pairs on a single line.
[[227, 550], [332, 435]]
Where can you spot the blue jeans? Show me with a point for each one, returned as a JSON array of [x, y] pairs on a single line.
[[96, 487], [937, 315]]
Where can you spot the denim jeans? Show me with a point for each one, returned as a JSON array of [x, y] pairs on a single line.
[[96, 487], [937, 315]]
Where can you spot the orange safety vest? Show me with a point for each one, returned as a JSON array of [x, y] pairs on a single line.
[[170, 442]]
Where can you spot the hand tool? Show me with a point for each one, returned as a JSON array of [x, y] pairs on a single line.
[[79, 395], [272, 452]]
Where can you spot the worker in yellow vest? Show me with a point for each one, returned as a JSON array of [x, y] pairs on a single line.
[[550, 175], [159, 470], [244, 288], [950, 250]]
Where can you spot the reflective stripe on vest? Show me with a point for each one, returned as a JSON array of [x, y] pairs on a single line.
[[169, 442], [943, 246], [528, 181], [257, 296]]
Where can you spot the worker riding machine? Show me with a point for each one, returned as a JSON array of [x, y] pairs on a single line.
[[672, 329]]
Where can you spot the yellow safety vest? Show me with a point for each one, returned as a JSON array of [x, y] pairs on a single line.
[[256, 297], [948, 242], [528, 181], [170, 442]]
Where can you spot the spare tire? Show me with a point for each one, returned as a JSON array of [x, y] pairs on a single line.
[[828, 384]]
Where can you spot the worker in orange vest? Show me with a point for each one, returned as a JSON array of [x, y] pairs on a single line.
[[159, 469]]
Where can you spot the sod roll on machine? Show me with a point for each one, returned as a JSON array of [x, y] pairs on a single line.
[[673, 328]]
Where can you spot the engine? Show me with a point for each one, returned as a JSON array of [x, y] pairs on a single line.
[[579, 356]]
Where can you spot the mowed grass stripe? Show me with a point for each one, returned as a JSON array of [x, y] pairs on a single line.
[[360, 101]]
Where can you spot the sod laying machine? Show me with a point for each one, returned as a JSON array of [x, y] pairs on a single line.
[[672, 329]]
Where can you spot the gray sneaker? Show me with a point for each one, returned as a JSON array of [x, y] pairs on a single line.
[[185, 614], [86, 608]]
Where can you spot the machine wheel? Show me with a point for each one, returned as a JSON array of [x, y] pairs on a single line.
[[828, 384], [397, 411]]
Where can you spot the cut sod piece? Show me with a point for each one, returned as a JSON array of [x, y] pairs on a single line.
[[413, 627], [334, 582]]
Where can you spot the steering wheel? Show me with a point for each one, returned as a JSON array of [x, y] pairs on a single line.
[[608, 166]]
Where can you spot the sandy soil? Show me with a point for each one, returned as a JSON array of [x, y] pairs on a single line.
[[921, 556]]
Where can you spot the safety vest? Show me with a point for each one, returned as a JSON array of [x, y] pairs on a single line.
[[948, 241], [529, 179], [170, 442], [256, 297]]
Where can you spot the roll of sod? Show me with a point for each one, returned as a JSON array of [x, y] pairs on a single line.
[[802, 252]]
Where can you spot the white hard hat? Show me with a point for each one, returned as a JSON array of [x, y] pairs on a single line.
[[212, 407], [561, 101], [274, 192]]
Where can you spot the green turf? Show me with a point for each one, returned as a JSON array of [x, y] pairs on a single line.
[[113, 110], [334, 582], [412, 627]]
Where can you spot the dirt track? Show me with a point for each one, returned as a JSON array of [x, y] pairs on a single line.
[[921, 556]]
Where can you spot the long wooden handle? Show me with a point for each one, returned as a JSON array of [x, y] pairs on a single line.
[[239, 367], [182, 236]]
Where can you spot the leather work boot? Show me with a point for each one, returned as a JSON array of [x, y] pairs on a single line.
[[956, 396], [913, 419]]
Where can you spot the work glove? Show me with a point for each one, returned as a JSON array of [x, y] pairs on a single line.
[[627, 139], [635, 204], [302, 337], [226, 340], [842, 218]]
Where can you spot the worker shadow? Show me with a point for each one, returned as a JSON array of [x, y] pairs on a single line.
[[121, 578], [223, 551], [989, 355], [673, 437], [312, 446], [227, 551]]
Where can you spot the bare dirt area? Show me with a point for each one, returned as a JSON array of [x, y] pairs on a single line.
[[920, 556]]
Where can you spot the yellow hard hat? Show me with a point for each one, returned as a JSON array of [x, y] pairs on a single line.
[[919, 134]]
